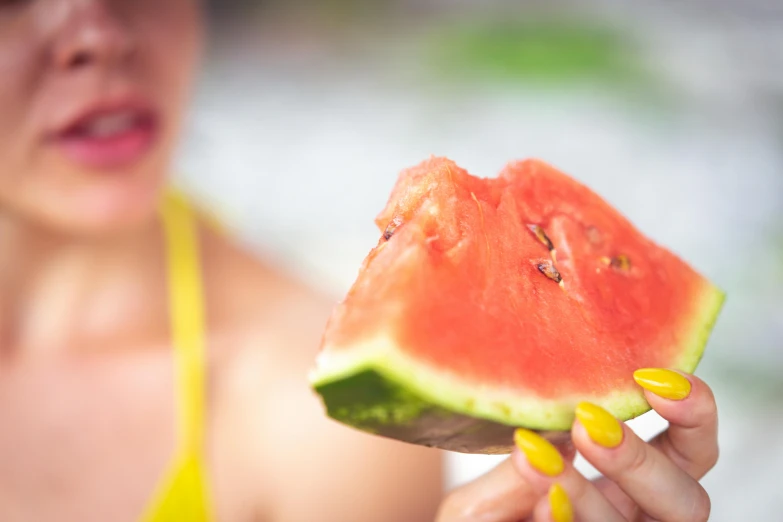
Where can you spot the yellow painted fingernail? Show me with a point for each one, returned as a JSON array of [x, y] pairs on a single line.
[[601, 426], [666, 383], [541, 454], [559, 504]]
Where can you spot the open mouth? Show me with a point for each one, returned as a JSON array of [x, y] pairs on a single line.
[[109, 138]]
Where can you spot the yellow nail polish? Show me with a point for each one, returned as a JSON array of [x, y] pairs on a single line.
[[541, 454], [560, 504], [600, 425], [666, 383]]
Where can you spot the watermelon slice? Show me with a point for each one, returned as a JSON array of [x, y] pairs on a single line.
[[490, 304]]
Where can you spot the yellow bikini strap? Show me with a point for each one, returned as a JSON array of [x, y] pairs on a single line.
[[186, 304]]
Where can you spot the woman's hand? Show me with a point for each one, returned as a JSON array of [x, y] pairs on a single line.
[[641, 481]]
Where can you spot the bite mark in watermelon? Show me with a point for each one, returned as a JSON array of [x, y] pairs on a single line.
[[490, 304]]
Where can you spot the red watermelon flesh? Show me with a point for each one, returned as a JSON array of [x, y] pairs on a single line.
[[494, 303]]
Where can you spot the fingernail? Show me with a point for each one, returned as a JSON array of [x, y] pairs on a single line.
[[541, 454], [666, 383], [600, 425], [559, 504]]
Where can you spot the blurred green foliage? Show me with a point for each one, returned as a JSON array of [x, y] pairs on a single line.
[[543, 49]]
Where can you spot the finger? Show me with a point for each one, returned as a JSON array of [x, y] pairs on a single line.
[[501, 495], [498, 496], [541, 465], [689, 405], [554, 507], [653, 481], [691, 441]]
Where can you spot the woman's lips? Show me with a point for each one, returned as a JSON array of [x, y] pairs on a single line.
[[109, 138]]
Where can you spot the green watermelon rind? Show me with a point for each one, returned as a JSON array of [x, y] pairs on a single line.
[[376, 387]]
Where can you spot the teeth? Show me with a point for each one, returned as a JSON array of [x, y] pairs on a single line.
[[110, 125]]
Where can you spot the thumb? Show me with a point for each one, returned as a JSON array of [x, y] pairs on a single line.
[[501, 495]]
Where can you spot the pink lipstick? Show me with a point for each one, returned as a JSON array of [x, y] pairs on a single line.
[[109, 137]]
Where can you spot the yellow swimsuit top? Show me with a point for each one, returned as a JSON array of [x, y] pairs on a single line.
[[182, 497]]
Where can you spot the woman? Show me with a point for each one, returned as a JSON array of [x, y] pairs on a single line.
[[151, 370], [121, 398]]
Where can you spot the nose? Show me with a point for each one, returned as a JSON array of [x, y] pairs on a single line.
[[91, 34]]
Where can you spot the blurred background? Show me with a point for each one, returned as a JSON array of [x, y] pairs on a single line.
[[673, 111]]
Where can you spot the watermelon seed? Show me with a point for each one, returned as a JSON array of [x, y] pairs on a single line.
[[538, 231], [548, 269], [620, 262], [391, 228]]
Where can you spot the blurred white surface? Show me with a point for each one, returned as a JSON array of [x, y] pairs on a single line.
[[300, 160]]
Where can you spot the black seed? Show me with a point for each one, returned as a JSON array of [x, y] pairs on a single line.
[[391, 228], [621, 262], [549, 270], [539, 232]]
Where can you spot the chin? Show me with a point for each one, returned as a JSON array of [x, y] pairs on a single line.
[[113, 212], [101, 225], [105, 207]]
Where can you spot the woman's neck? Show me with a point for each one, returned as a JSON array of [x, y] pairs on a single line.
[[61, 293]]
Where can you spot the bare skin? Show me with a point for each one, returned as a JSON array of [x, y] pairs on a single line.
[[86, 378]]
